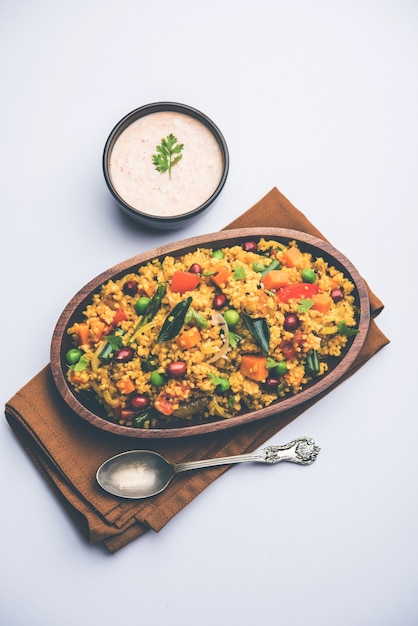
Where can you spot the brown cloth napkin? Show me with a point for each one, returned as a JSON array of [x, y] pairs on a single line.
[[68, 450]]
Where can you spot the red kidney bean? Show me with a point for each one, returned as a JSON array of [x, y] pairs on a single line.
[[250, 246], [195, 268], [130, 288], [288, 350], [138, 402], [123, 355], [337, 294], [291, 322], [219, 301], [176, 369], [272, 383]]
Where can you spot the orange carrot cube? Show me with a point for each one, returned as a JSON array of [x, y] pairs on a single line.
[[292, 257], [322, 302], [125, 385], [275, 279], [254, 366], [189, 338]]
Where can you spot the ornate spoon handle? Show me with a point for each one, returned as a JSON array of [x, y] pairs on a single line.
[[302, 451]]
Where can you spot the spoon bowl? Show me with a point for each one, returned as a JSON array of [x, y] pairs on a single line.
[[135, 474], [138, 474]]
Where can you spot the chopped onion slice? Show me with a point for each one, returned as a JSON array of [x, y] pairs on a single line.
[[219, 320], [95, 363]]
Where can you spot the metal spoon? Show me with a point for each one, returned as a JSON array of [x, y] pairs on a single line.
[[140, 474]]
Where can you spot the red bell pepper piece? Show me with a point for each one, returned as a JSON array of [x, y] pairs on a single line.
[[297, 291], [184, 281], [119, 316]]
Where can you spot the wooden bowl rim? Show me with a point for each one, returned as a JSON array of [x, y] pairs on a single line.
[[221, 238]]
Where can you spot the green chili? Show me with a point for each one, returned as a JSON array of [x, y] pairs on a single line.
[[153, 306], [274, 265], [312, 362]]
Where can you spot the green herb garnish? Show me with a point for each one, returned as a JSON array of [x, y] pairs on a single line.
[[233, 339], [239, 272], [174, 321], [312, 362], [221, 384], [139, 421], [115, 341], [168, 154], [260, 331], [345, 330], [199, 319], [279, 367], [304, 305], [258, 266], [270, 363], [81, 365]]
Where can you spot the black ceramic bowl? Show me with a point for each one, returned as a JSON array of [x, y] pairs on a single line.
[[134, 167]]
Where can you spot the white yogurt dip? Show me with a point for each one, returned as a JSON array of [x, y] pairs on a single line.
[[193, 179]]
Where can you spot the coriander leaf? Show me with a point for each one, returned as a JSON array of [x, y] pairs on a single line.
[[345, 330], [239, 272], [168, 153], [108, 348], [270, 363], [215, 379], [115, 341], [258, 266], [304, 305], [200, 320], [221, 383], [81, 365], [139, 420], [233, 339]]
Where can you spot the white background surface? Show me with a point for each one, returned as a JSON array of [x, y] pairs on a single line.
[[319, 99]]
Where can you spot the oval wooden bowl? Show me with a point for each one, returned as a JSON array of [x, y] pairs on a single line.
[[95, 415]]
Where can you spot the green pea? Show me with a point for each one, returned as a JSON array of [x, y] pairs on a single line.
[[223, 385], [218, 254], [141, 305], [157, 379], [308, 275], [73, 356], [279, 369], [231, 317]]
